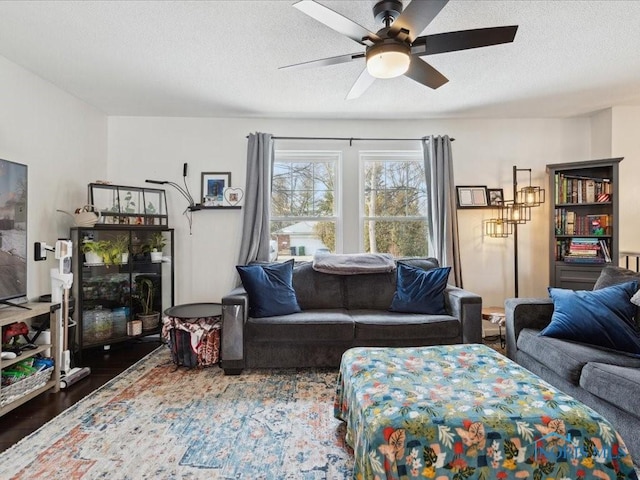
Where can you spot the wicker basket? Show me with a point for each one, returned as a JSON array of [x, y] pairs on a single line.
[[150, 321], [16, 390]]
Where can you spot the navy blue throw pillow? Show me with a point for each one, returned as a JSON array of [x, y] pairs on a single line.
[[270, 289], [420, 291], [599, 317]]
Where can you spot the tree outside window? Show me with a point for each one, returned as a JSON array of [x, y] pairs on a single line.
[[303, 206], [394, 203]]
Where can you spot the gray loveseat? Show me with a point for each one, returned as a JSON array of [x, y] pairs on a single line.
[[606, 380], [340, 312]]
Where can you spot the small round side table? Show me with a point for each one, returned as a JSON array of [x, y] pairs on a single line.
[[197, 324], [494, 316]]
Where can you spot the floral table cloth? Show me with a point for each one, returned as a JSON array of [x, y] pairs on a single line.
[[467, 412]]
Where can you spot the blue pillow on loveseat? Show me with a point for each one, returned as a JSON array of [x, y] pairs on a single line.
[[270, 289], [601, 317]]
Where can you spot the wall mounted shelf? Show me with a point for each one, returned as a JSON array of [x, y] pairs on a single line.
[[199, 206]]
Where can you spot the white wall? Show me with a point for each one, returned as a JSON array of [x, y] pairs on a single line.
[[626, 143], [601, 134], [64, 143], [484, 153]]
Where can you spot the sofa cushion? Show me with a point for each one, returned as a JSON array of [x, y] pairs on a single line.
[[567, 358], [380, 325], [316, 290], [420, 291], [425, 263], [373, 290], [612, 275], [601, 317], [615, 384], [314, 326], [269, 288]]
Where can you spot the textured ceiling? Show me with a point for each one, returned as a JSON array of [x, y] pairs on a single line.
[[221, 58]]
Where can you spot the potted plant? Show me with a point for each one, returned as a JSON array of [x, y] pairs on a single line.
[[145, 291], [155, 245], [116, 251], [94, 251]]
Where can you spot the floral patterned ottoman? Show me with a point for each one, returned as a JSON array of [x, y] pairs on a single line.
[[467, 412]]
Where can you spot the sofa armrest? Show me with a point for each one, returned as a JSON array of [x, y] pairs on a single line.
[[467, 307], [235, 307], [523, 313]]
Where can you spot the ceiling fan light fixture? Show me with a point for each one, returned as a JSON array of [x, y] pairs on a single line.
[[388, 60]]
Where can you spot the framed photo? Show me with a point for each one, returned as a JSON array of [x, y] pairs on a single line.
[[471, 196], [495, 196], [233, 196], [213, 186]]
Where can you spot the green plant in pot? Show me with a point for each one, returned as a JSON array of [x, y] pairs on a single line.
[[154, 246], [94, 251], [117, 250], [145, 291]]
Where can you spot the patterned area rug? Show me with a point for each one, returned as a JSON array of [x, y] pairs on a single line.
[[154, 421]]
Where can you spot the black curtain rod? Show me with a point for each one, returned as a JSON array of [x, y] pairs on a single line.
[[350, 139]]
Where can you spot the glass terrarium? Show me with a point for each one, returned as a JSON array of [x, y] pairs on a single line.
[[123, 205]]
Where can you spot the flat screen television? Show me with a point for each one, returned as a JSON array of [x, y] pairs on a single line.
[[13, 232]]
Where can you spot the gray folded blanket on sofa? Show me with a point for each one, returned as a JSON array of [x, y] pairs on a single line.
[[353, 263]]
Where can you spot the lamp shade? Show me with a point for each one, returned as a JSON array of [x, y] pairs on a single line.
[[516, 212], [388, 60], [498, 228], [531, 196]]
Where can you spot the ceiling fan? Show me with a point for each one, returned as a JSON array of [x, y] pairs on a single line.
[[396, 48]]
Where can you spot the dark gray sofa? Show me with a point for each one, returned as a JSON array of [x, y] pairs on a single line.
[[606, 380], [340, 312]]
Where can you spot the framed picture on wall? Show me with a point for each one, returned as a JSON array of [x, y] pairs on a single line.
[[471, 196], [495, 196], [213, 187]]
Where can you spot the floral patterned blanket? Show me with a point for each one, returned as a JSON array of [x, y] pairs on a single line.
[[467, 412]]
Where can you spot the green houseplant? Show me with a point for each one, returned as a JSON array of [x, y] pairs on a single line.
[[116, 251], [94, 251], [145, 291], [154, 246]]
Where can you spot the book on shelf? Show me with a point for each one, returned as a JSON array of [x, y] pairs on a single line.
[[568, 259], [568, 222], [581, 189], [585, 250]]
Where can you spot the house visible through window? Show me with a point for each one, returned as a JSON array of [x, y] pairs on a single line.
[[372, 201], [304, 203]]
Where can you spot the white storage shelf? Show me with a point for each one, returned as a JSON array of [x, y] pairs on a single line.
[[42, 381]]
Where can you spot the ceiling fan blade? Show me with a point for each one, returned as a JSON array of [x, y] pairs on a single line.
[[423, 73], [416, 16], [323, 62], [337, 22], [463, 40], [364, 81]]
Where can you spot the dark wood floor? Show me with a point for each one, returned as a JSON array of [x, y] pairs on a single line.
[[104, 364]]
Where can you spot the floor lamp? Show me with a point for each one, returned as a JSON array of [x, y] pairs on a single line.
[[512, 213]]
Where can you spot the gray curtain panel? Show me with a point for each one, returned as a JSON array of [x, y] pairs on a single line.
[[255, 226], [442, 219]]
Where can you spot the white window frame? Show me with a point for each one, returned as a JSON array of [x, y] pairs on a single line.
[[382, 156], [319, 156]]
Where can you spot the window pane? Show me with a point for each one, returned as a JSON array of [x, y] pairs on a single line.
[[394, 189], [399, 238], [301, 240], [303, 189]]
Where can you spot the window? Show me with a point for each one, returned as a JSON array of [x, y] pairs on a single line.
[[394, 203], [304, 203]]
